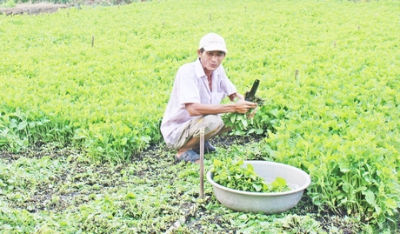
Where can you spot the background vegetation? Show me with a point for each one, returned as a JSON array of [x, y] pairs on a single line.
[[98, 79]]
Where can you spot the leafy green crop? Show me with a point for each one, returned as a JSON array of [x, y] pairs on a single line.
[[7, 3], [99, 78], [243, 124], [235, 175]]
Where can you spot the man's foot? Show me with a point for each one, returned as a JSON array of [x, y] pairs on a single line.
[[208, 148], [188, 156]]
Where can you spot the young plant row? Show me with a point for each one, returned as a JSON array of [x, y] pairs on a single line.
[[100, 78]]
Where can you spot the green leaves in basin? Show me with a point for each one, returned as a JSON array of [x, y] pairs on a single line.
[[236, 175]]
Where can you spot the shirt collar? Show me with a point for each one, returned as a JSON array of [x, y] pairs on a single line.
[[200, 71]]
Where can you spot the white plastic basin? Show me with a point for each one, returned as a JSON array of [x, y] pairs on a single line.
[[268, 203]]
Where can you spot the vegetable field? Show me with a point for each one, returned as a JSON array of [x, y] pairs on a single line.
[[83, 90]]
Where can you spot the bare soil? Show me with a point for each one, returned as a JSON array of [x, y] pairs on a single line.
[[27, 8]]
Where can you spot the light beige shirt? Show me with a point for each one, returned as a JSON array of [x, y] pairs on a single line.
[[191, 86]]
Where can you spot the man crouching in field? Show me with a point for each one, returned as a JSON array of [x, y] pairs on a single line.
[[195, 101]]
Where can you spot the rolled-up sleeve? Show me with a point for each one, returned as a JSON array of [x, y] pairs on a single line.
[[226, 85]]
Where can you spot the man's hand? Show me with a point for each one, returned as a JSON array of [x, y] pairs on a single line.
[[252, 113], [243, 107]]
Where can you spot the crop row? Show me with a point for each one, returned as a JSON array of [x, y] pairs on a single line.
[[100, 78]]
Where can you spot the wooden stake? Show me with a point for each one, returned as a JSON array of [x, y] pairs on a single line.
[[202, 163], [92, 40]]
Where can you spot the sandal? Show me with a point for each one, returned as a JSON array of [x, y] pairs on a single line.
[[188, 156], [208, 148]]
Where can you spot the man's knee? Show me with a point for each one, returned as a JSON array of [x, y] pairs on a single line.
[[214, 124]]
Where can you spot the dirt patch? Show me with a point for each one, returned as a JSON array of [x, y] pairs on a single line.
[[32, 9]]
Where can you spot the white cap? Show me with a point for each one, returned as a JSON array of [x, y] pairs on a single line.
[[213, 42]]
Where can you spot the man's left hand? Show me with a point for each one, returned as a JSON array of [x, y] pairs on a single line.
[[252, 113]]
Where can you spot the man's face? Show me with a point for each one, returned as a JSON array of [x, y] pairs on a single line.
[[211, 59]]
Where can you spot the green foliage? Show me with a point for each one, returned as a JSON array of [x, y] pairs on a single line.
[[244, 124], [7, 3], [350, 136], [99, 79], [236, 175], [63, 193], [18, 131]]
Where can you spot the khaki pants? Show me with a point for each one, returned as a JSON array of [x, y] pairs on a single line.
[[212, 124]]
